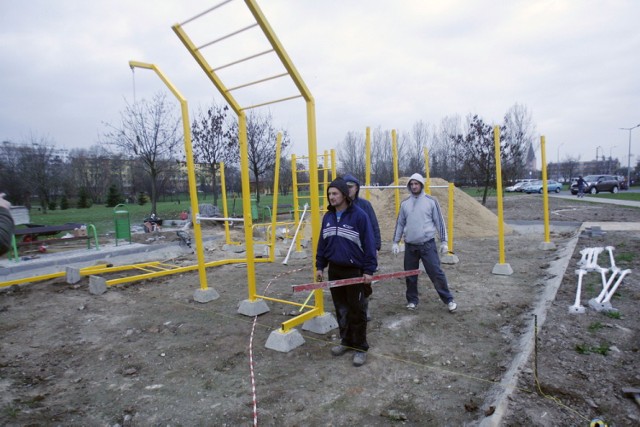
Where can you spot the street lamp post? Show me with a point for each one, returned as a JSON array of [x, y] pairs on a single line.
[[629, 155], [597, 162]]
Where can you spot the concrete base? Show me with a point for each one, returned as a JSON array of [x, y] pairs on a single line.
[[600, 306], [576, 309], [233, 248], [449, 259], [261, 251], [205, 295], [73, 275], [284, 341], [502, 269], [253, 308], [547, 246], [97, 285], [321, 324]]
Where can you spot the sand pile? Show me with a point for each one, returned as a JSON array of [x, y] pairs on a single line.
[[471, 219]]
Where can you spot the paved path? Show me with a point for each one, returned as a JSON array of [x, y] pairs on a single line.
[[591, 199]]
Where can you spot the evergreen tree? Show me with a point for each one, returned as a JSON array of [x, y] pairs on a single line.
[[113, 197], [83, 199]]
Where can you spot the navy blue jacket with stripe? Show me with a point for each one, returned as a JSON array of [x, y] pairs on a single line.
[[348, 242]]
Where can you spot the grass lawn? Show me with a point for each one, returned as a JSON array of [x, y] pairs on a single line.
[[103, 218]]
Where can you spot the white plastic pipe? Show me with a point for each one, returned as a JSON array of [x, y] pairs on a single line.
[[576, 308], [615, 287], [293, 241]]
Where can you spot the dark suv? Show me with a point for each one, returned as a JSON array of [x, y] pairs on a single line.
[[598, 183]]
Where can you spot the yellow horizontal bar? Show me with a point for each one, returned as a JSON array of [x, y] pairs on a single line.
[[271, 102], [206, 11], [266, 79], [32, 279], [228, 35], [242, 60], [292, 323]]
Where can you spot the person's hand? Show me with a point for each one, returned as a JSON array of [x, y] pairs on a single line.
[[444, 249], [367, 278], [395, 249], [4, 203], [319, 276]]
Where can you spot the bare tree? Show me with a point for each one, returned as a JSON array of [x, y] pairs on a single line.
[[213, 141], [519, 133], [351, 155], [261, 141], [41, 169], [91, 170], [420, 135], [149, 131], [477, 149]]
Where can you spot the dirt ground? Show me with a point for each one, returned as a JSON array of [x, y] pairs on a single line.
[[146, 354]]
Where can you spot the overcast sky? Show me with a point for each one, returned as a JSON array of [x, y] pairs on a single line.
[[574, 64]]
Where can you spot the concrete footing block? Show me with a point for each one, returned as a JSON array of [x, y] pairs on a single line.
[[97, 285], [600, 306], [449, 259], [73, 275], [253, 308], [261, 251], [502, 269], [233, 248], [576, 309], [547, 246], [205, 295], [321, 324], [284, 341]]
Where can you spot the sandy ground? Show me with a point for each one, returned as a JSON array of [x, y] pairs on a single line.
[[145, 353]]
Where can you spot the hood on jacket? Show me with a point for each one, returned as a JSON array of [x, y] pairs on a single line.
[[350, 178], [416, 177], [341, 185]]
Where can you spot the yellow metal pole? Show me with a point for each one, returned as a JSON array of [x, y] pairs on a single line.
[[394, 148], [246, 206], [367, 169], [496, 144], [427, 187], [274, 212], [325, 177], [225, 208], [334, 168], [193, 192], [450, 219], [545, 193]]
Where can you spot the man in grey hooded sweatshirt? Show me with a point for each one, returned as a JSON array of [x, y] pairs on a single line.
[[419, 220]]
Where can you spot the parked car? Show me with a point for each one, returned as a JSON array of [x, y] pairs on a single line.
[[536, 187], [516, 187], [598, 183]]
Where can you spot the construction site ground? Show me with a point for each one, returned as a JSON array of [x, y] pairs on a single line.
[[145, 354]]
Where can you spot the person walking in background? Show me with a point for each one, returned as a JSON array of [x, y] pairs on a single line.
[[365, 205], [418, 221], [6, 225], [347, 247], [582, 185]]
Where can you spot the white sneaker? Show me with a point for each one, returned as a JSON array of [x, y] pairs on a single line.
[[452, 306], [411, 306]]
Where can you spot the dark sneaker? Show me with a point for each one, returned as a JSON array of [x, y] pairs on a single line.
[[359, 358], [339, 350]]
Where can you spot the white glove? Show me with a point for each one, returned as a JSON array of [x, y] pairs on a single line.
[[395, 249], [444, 249]]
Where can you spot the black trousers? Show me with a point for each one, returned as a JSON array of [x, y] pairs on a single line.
[[349, 302]]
